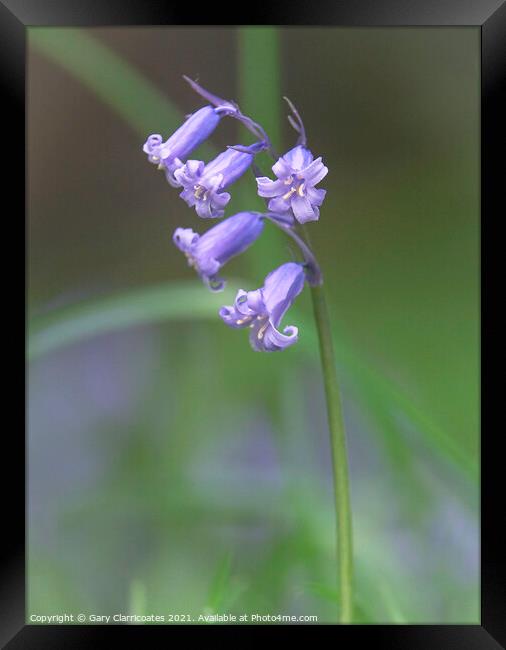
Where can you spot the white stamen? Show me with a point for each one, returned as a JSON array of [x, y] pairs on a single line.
[[261, 331], [289, 193]]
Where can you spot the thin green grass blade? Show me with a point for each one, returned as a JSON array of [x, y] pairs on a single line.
[[220, 585], [119, 85]]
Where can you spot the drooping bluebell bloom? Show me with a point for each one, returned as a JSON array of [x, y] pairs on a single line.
[[294, 190], [207, 253], [204, 185], [170, 155], [263, 309]]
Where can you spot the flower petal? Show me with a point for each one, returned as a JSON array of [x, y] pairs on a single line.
[[194, 168], [220, 199], [185, 239], [208, 267], [215, 284], [246, 307], [315, 196], [280, 289], [302, 209], [275, 341], [152, 147], [197, 128], [231, 318], [213, 183], [189, 197], [230, 163], [231, 236], [281, 168], [279, 205], [298, 158], [255, 302], [315, 172], [205, 210], [268, 188], [264, 337]]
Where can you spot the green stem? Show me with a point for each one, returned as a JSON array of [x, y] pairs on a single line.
[[339, 456]]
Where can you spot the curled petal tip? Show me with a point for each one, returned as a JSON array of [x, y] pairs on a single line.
[[168, 155]]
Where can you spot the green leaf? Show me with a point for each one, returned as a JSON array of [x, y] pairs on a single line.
[[119, 85], [175, 301]]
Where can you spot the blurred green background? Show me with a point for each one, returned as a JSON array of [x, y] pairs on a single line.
[[172, 469]]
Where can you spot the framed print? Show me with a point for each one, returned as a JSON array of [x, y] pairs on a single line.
[[253, 265]]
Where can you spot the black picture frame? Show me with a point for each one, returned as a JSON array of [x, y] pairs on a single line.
[[490, 17]]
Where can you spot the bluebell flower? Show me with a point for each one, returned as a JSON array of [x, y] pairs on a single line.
[[207, 253], [294, 190], [170, 155], [204, 185], [263, 309]]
